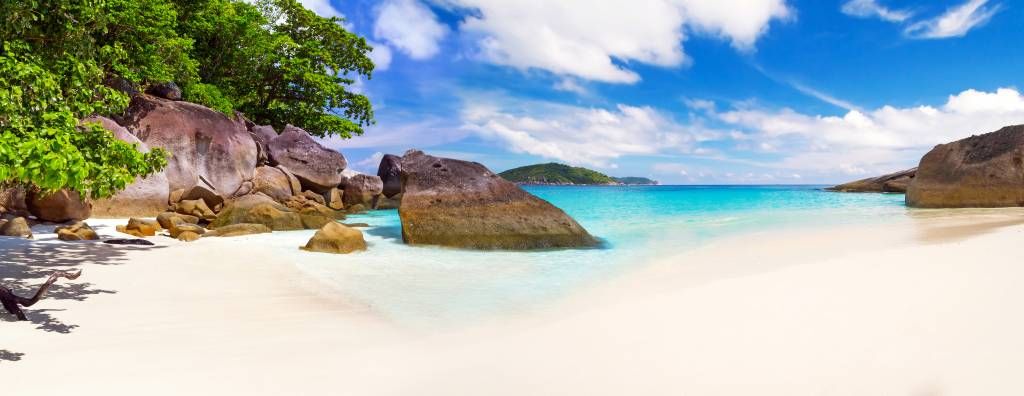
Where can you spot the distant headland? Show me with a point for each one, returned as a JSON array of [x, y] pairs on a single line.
[[556, 174]]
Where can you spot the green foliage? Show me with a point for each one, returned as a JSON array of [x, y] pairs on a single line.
[[554, 173], [210, 96], [632, 180], [280, 63]]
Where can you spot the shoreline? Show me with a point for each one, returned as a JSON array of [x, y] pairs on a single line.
[[217, 320]]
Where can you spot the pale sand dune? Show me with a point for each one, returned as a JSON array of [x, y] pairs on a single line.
[[925, 306]]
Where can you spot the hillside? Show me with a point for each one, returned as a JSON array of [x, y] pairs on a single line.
[[560, 174], [635, 181]]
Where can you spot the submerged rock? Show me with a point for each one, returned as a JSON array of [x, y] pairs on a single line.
[[59, 206], [892, 183], [457, 203], [318, 168], [979, 171], [336, 238]]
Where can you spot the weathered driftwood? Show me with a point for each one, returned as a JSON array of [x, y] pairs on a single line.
[[12, 301]]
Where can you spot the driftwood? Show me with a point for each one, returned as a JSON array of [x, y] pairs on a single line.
[[12, 301]]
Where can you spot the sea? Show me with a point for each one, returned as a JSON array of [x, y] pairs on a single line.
[[637, 225]]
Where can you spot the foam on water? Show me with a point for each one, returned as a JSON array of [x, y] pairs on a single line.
[[429, 286]]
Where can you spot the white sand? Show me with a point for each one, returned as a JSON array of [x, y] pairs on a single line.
[[921, 307]]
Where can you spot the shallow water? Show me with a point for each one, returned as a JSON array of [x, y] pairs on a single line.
[[430, 286]]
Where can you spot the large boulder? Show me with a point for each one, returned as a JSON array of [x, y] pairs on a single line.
[[318, 168], [58, 207], [360, 189], [12, 199], [272, 182], [201, 142], [336, 238], [262, 135], [258, 209], [891, 183], [457, 203], [146, 196], [390, 174], [979, 171]]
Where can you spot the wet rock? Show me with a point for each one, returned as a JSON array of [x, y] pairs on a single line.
[[336, 238]]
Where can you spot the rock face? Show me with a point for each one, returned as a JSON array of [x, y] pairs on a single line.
[[891, 183], [16, 227], [58, 207], [262, 135], [979, 171], [202, 142], [272, 182], [79, 231], [457, 203], [143, 197], [318, 168], [390, 174], [336, 238], [360, 189], [258, 209]]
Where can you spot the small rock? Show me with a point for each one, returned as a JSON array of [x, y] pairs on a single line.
[[187, 236], [314, 196], [336, 238], [79, 231], [168, 90], [238, 230], [197, 208], [357, 208], [175, 196], [356, 225], [181, 228], [334, 199], [168, 220], [382, 202], [16, 227], [139, 227], [210, 197]]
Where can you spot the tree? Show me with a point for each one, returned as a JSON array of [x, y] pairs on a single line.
[[278, 63]]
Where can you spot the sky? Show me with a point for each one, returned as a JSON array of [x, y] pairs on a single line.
[[686, 91]]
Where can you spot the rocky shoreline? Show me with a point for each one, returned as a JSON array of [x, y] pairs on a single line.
[[227, 176]]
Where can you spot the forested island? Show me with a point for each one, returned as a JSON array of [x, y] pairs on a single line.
[[561, 174]]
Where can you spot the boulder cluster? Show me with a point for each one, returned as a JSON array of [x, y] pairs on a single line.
[[227, 176]]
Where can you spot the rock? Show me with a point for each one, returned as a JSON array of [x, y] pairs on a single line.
[[390, 173], [79, 231], [457, 203], [201, 142], [210, 197], [143, 197], [166, 90], [333, 197], [262, 135], [179, 228], [139, 227], [12, 199], [382, 202], [16, 227], [258, 209], [891, 183], [195, 207], [357, 208], [318, 168], [125, 241], [246, 188], [169, 220], [314, 197], [292, 180], [313, 214], [187, 236], [979, 171], [356, 225], [360, 189], [122, 84], [272, 182], [58, 207], [336, 238], [238, 230]]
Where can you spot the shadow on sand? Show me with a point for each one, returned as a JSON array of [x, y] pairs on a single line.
[[24, 264]]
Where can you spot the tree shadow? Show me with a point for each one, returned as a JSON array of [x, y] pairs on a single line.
[[9, 356], [24, 264]]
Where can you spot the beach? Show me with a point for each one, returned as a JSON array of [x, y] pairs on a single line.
[[915, 307]]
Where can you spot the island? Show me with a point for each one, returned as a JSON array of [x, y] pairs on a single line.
[[564, 175]]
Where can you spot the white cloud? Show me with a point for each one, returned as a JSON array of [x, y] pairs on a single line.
[[322, 8], [570, 85], [580, 135], [381, 56], [955, 22], [411, 27], [596, 40], [878, 140], [371, 163], [871, 8]]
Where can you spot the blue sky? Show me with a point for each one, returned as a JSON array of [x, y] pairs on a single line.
[[686, 91]]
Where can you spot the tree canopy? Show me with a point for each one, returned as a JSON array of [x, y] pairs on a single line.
[[60, 61]]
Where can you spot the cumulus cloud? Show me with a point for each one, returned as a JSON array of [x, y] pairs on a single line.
[[322, 8], [411, 27], [381, 56], [955, 22], [595, 40], [877, 140], [871, 9], [370, 164], [581, 135]]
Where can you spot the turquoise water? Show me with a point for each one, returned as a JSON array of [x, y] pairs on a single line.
[[428, 286]]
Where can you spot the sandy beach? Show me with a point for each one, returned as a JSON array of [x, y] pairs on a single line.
[[919, 307]]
